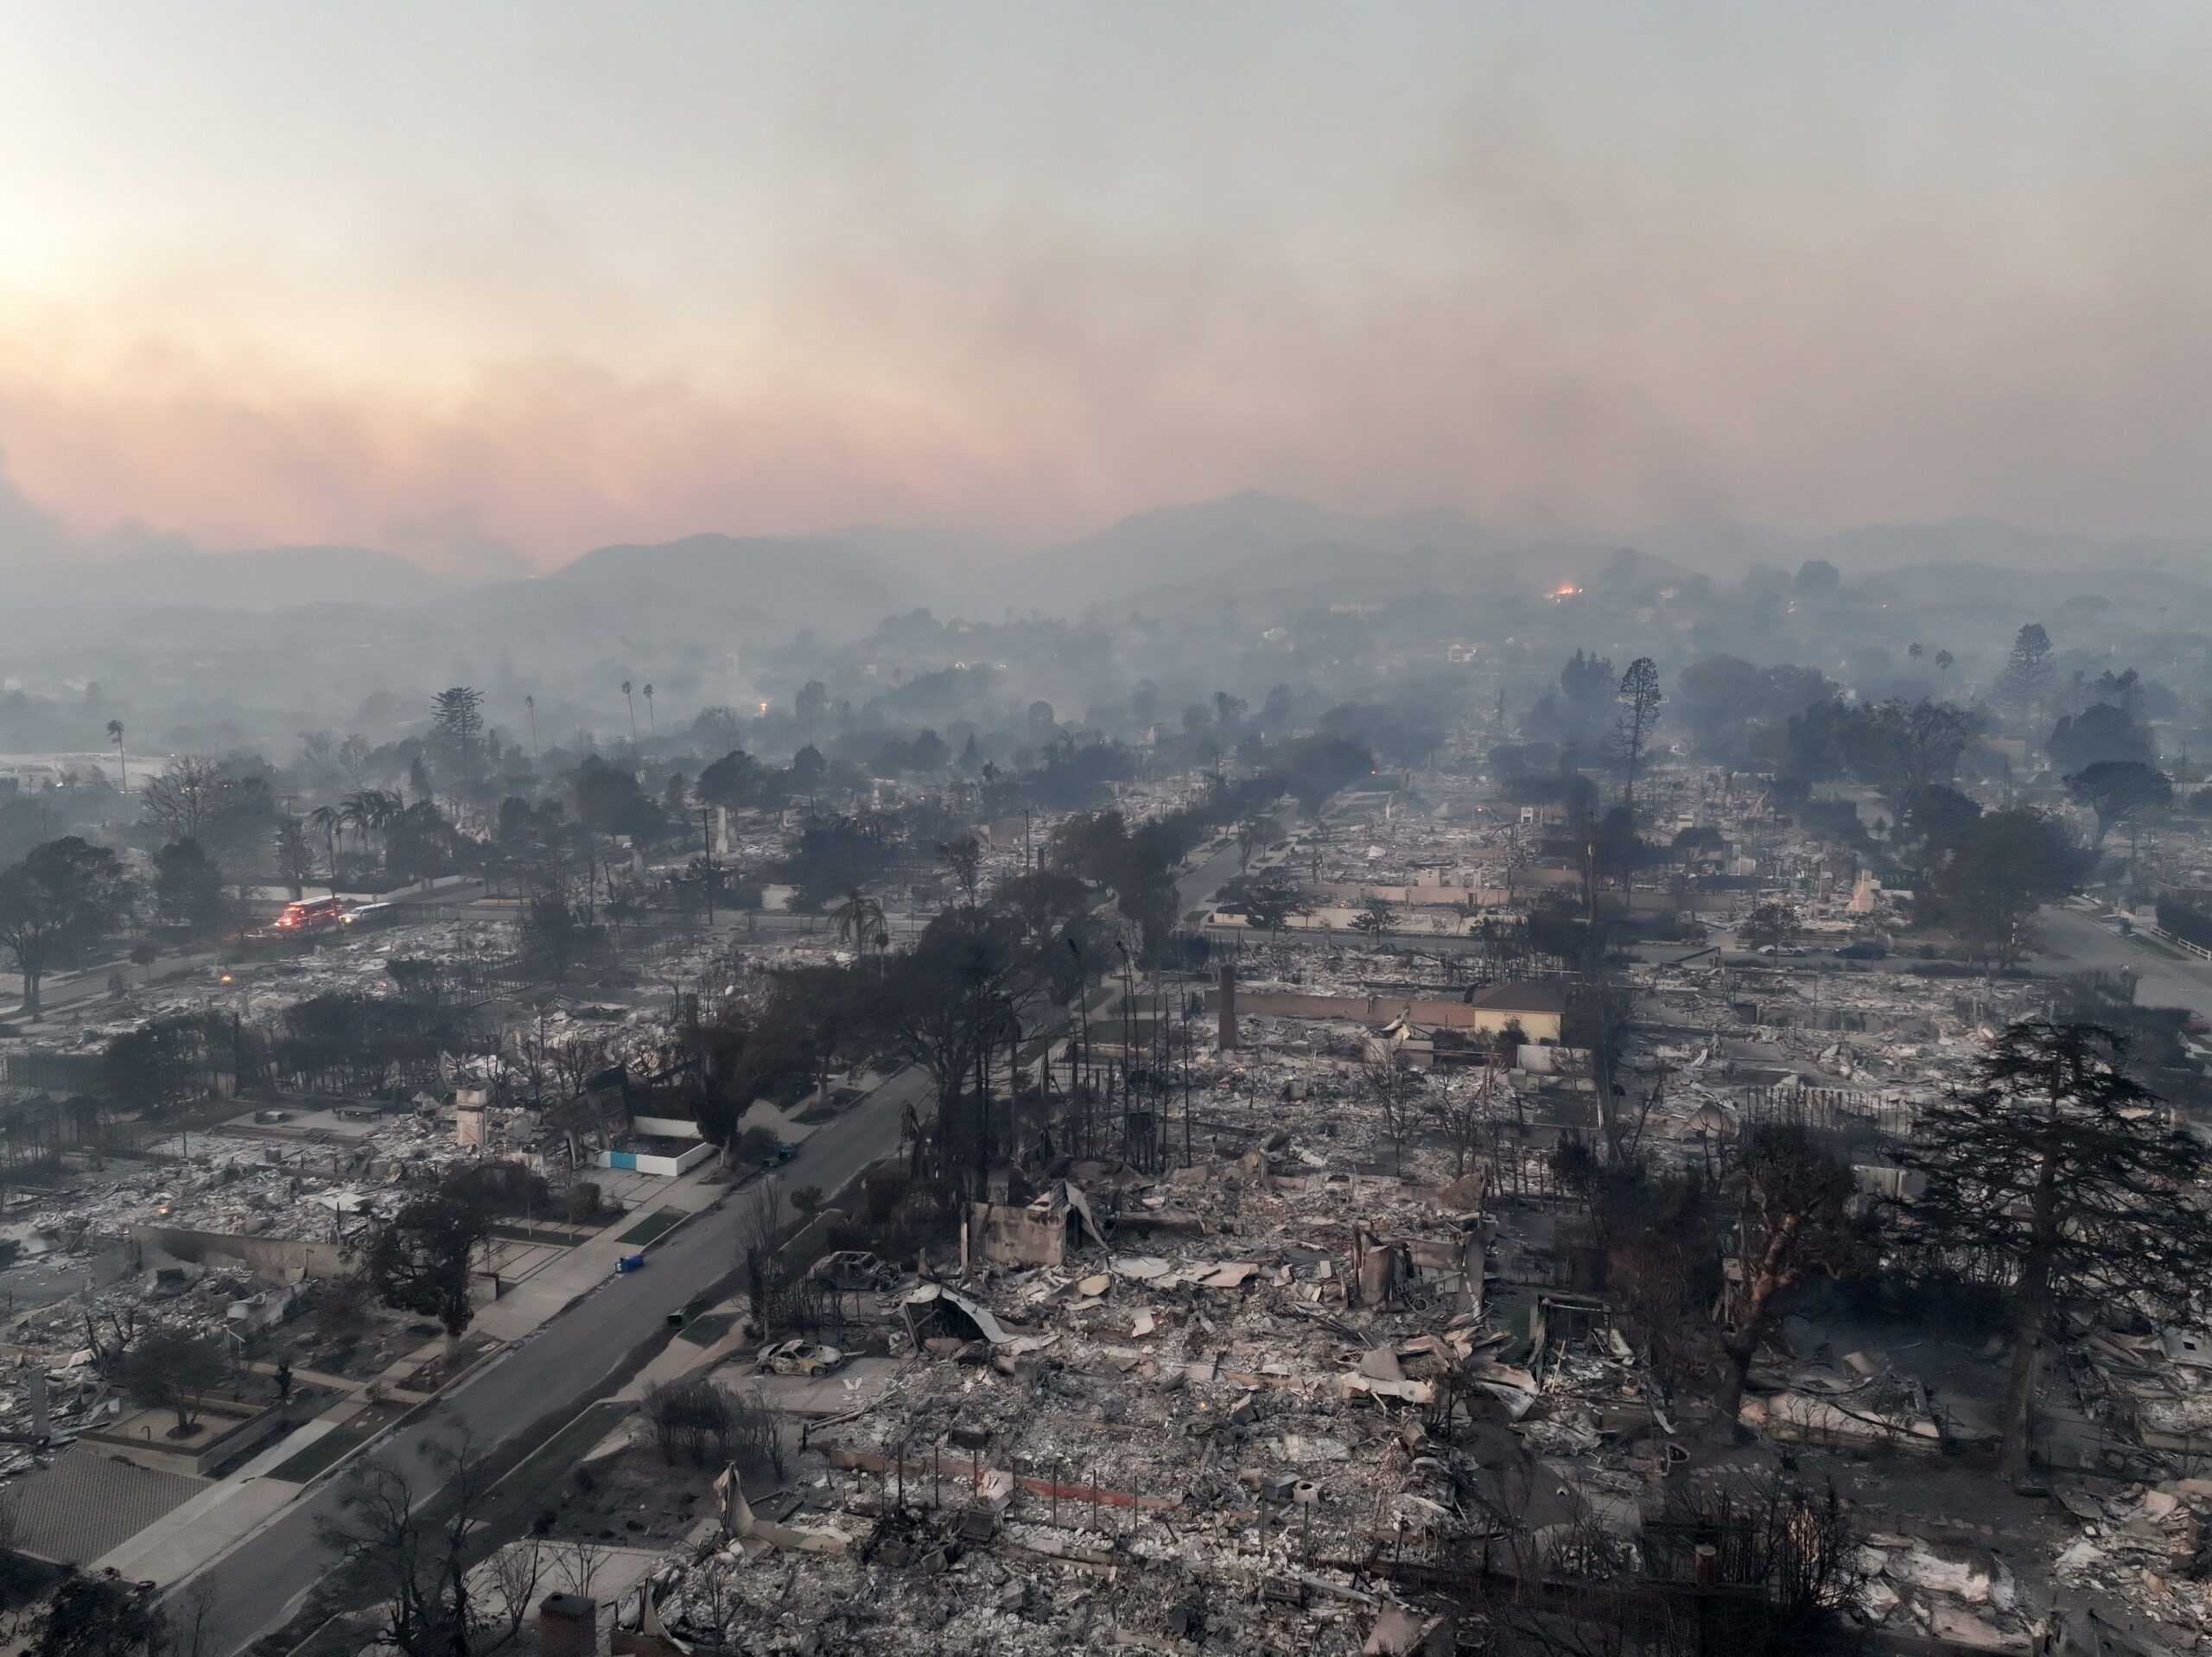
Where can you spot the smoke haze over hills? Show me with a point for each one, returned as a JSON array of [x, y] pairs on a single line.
[[341, 361], [332, 281]]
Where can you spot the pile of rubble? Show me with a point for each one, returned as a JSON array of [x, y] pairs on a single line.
[[1272, 1401]]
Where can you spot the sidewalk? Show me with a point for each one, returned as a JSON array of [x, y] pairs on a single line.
[[546, 1291], [682, 1358], [233, 1507]]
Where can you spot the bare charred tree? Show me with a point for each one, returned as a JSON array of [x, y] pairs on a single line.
[[557, 1073], [188, 1621], [1778, 1567], [1394, 1092], [405, 1530], [2061, 1176], [1753, 1563], [1464, 1114], [516, 1571], [107, 1346], [1793, 1221], [715, 1609], [691, 1419], [758, 1223], [965, 854], [187, 797], [577, 1564], [1661, 1250]]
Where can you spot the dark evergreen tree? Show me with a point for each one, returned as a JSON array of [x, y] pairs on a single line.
[[58, 899], [2060, 1175], [420, 1259]]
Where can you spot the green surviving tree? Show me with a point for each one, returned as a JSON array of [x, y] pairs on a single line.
[[1375, 917], [733, 781], [168, 1369], [1932, 826], [1639, 699], [1315, 767], [2057, 1170], [188, 888], [99, 1614], [419, 1261], [948, 1005], [1271, 901], [294, 857], [2100, 733], [1769, 926], [2027, 675], [60, 898], [1588, 686], [2118, 790], [2003, 867], [165, 1062], [1902, 747], [457, 732]]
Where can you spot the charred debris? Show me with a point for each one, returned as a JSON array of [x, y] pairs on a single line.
[[1379, 1212]]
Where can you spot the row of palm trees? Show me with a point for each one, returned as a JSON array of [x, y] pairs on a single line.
[[860, 922], [362, 814]]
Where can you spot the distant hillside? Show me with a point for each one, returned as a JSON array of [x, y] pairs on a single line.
[[1872, 548], [1282, 581], [703, 586], [1178, 544]]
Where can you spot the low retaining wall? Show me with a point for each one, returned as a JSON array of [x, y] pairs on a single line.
[[229, 1432], [283, 1258], [664, 1127], [1540, 1026], [669, 1164]]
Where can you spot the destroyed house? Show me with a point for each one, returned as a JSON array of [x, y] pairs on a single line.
[[1038, 1233], [1538, 1009]]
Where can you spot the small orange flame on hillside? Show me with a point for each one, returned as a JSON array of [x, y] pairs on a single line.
[[1567, 591]]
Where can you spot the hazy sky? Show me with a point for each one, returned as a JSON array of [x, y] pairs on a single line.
[[443, 276]]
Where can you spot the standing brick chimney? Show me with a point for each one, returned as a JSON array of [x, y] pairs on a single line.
[[1225, 1038], [567, 1626]]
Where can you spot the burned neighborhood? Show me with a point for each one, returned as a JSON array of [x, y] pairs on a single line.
[[1282, 830], [1623, 1164]]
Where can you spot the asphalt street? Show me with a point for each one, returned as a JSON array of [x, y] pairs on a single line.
[[1195, 887], [261, 1583], [71, 992], [2074, 941]]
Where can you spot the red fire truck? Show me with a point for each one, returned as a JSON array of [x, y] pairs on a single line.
[[313, 916]]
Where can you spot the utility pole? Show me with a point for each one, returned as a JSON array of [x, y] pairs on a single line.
[[707, 866]]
